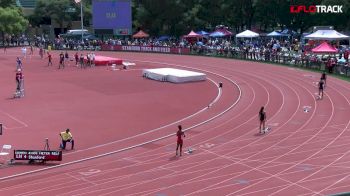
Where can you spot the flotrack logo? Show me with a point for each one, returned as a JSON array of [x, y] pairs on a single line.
[[295, 9]]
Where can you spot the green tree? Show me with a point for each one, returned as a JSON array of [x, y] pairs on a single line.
[[7, 3], [340, 21], [11, 21], [159, 16], [276, 13], [60, 11]]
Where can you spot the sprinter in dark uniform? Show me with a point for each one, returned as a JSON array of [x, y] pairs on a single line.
[[262, 118], [61, 61], [320, 88]]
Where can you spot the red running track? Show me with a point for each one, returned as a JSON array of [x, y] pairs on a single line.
[[305, 153]]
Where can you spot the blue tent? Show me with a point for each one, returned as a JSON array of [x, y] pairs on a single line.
[[276, 34], [288, 31], [202, 33], [217, 34], [163, 38]]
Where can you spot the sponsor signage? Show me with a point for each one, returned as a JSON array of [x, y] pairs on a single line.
[[324, 9], [156, 49]]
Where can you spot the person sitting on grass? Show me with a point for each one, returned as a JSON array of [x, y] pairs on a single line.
[[66, 137]]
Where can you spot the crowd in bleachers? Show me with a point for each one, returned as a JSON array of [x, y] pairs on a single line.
[[268, 49], [287, 51]]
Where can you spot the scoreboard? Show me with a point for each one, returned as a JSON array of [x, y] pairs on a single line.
[[112, 14], [40, 155]]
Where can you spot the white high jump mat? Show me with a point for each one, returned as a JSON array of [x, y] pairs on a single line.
[[173, 75]]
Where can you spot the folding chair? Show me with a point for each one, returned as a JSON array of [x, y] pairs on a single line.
[[5, 153]]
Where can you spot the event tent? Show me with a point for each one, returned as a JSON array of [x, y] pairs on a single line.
[[247, 34], [276, 34], [163, 38], [192, 34], [140, 34], [202, 33], [217, 34], [324, 48], [225, 32], [326, 35], [288, 32]]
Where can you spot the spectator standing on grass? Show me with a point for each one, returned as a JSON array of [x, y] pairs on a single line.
[[179, 135], [346, 55], [262, 118], [66, 136], [332, 64]]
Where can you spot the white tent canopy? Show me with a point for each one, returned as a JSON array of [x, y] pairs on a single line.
[[326, 35], [276, 34], [247, 34]]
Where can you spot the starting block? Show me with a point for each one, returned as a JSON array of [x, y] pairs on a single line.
[[318, 97], [306, 109], [18, 94], [189, 150], [267, 129]]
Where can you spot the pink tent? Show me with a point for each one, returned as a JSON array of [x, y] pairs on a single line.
[[324, 48], [140, 34], [192, 34], [225, 31]]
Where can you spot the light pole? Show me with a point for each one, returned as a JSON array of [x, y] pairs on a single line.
[[82, 21], [81, 18]]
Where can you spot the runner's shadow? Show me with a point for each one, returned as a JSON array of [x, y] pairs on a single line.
[[11, 98], [259, 134], [173, 158]]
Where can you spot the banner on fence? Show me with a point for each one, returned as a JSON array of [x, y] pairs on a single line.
[[157, 49]]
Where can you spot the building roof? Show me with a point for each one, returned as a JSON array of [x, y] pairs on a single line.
[[26, 3]]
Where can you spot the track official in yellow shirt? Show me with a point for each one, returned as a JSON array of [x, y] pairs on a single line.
[[66, 137]]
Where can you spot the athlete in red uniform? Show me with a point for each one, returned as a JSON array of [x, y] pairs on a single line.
[[49, 56], [19, 77], [179, 135]]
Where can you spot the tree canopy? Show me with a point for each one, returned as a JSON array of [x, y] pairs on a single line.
[[265, 15], [7, 3], [12, 21], [60, 11], [178, 17]]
